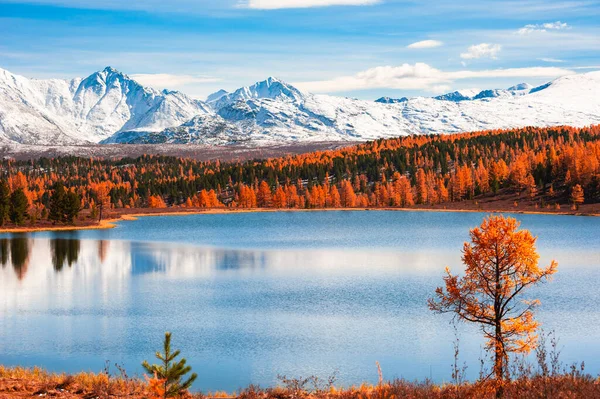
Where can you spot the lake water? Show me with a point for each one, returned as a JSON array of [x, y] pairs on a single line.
[[252, 295]]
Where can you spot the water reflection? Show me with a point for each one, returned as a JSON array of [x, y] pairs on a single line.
[[245, 315], [92, 261], [64, 250], [103, 246], [192, 261], [4, 252], [19, 255]]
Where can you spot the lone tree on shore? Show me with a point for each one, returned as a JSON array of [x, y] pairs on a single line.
[[170, 372], [501, 263]]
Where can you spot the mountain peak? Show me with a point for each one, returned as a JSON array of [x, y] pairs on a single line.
[[389, 100], [520, 86], [110, 69], [273, 88], [458, 95], [216, 95], [106, 77]]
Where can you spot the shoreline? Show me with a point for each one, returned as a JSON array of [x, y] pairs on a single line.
[[113, 221]]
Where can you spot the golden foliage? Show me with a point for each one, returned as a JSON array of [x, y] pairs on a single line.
[[501, 263]]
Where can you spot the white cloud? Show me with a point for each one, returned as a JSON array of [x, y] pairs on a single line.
[[165, 81], [552, 60], [426, 44], [421, 76], [278, 4], [440, 89], [555, 25], [481, 50], [588, 67], [528, 72], [527, 29]]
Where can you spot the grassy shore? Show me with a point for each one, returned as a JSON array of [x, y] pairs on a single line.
[[26, 383]]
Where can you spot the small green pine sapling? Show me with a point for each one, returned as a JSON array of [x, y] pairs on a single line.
[[171, 371]]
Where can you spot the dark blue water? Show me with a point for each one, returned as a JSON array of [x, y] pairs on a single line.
[[250, 296]]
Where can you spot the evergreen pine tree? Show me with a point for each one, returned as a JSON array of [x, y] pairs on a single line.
[[18, 207], [4, 202], [170, 371], [57, 203], [72, 207]]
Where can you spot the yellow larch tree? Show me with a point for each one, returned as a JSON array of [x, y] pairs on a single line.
[[501, 263]]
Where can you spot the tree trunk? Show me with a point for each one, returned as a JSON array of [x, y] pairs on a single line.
[[499, 362], [499, 343]]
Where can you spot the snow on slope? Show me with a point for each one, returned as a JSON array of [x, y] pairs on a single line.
[[389, 100], [274, 112], [86, 110], [271, 88], [459, 95], [201, 129], [570, 100], [472, 94], [108, 107]]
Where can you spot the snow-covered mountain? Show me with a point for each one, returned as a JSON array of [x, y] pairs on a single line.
[[274, 111], [458, 95], [271, 89], [472, 94], [86, 110], [201, 129], [108, 107], [389, 100]]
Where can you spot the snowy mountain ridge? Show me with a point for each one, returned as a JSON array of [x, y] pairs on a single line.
[[472, 94], [109, 107], [86, 110]]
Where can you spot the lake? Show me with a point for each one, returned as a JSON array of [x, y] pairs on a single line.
[[249, 296]]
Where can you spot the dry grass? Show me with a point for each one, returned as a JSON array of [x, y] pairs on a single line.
[[24, 383], [563, 386], [21, 382]]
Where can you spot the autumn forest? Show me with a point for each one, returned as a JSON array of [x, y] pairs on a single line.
[[550, 167]]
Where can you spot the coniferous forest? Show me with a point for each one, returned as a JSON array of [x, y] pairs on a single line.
[[551, 167]]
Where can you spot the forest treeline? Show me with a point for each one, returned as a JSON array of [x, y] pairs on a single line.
[[550, 166]]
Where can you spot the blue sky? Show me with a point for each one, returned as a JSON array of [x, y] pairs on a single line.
[[357, 48]]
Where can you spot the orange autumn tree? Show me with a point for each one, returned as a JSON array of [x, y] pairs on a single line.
[[156, 201], [501, 263], [103, 196]]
